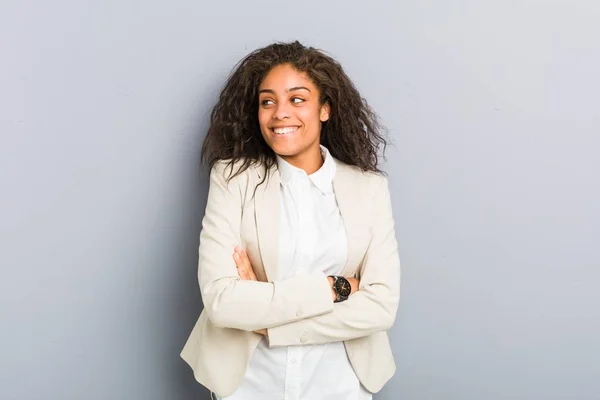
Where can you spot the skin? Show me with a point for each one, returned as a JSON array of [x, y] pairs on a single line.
[[288, 99]]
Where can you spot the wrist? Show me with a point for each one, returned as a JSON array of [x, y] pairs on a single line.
[[354, 282], [340, 287]]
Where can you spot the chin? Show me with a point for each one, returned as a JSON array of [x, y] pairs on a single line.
[[288, 146], [285, 151]]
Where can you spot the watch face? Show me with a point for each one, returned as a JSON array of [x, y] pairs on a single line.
[[342, 287]]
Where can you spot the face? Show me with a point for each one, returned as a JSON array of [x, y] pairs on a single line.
[[290, 115]]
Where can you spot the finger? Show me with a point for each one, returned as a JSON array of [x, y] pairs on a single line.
[[238, 249], [237, 260], [243, 264], [245, 259], [241, 270], [252, 275], [243, 274], [248, 265]]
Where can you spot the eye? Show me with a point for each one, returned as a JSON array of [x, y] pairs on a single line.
[[297, 100], [266, 102]]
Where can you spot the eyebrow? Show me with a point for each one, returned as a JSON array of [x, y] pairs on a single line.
[[288, 90]]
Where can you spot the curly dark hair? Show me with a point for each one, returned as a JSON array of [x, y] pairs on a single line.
[[352, 134]]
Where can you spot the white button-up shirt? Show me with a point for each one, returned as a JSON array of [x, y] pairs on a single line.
[[312, 238]]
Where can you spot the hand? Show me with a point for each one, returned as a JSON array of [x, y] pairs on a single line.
[[242, 263], [246, 272]]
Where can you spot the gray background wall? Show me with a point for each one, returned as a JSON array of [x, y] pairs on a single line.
[[493, 109]]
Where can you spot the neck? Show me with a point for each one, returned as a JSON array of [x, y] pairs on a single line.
[[310, 163]]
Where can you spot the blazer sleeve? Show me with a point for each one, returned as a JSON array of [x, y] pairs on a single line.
[[373, 307], [247, 305]]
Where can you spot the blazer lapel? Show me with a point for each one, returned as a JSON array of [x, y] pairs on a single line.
[[350, 202], [266, 213]]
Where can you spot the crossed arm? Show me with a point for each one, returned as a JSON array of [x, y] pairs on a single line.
[[246, 272], [298, 310]]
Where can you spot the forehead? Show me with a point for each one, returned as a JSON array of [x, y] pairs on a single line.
[[284, 77]]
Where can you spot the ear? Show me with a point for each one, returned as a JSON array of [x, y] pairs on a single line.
[[325, 111]]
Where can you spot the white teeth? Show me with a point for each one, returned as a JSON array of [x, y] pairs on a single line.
[[283, 131]]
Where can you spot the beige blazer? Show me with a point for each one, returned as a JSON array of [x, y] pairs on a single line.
[[300, 310]]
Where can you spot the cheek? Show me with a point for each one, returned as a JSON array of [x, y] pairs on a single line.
[[310, 117], [262, 118]]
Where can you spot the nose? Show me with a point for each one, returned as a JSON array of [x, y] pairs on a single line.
[[281, 111]]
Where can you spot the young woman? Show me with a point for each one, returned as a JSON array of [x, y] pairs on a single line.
[[298, 261]]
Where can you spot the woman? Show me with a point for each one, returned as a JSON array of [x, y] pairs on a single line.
[[298, 262]]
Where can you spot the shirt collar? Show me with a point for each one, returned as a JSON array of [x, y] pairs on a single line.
[[322, 178]]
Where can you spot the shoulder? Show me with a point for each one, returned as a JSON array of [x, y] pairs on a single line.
[[237, 172], [367, 181], [237, 178]]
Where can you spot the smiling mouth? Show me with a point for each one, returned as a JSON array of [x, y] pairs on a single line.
[[285, 131]]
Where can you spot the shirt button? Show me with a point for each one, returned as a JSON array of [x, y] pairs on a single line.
[[303, 338], [299, 313]]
